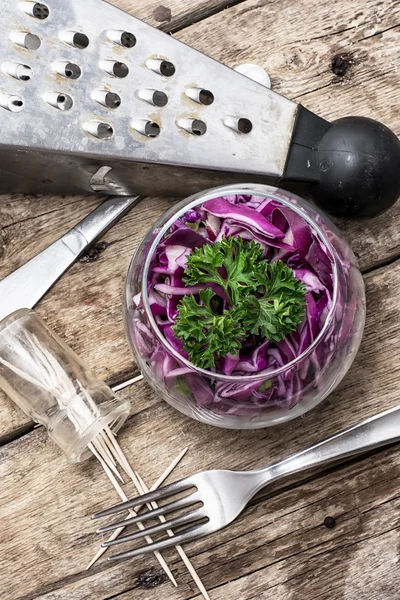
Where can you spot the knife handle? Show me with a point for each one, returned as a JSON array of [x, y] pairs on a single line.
[[104, 216]]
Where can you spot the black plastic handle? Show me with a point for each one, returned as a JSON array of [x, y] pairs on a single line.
[[351, 167]]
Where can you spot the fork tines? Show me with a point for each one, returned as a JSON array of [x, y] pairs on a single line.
[[190, 534], [152, 514], [191, 525], [164, 492]]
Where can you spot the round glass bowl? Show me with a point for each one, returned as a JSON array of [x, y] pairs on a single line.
[[278, 393]]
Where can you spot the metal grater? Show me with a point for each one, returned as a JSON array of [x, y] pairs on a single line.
[[93, 99]]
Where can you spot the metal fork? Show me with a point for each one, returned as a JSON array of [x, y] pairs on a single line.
[[222, 495]]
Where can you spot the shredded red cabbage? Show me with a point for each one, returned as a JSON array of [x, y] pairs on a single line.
[[284, 235]]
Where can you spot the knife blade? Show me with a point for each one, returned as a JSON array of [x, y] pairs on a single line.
[[27, 285]]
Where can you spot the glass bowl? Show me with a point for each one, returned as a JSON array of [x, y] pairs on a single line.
[[245, 400]]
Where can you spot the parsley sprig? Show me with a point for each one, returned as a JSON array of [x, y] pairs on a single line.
[[237, 266], [265, 299], [205, 333]]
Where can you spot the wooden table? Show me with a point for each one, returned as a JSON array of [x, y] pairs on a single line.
[[337, 58]]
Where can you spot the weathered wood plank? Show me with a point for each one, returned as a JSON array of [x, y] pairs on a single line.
[[93, 311], [16, 208], [302, 55], [55, 545], [86, 314], [281, 541]]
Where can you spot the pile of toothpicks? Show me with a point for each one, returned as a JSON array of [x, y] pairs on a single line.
[[108, 452]]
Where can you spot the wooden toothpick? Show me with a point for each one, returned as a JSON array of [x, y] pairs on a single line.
[[179, 549], [98, 443], [156, 485], [126, 384], [132, 513]]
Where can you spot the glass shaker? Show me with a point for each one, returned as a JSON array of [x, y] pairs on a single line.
[[51, 384]]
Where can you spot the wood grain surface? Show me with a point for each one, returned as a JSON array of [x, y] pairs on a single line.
[[337, 58]]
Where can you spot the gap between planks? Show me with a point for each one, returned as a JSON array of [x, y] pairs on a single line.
[[392, 260], [201, 15]]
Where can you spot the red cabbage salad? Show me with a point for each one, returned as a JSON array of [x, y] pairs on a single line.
[[239, 286]]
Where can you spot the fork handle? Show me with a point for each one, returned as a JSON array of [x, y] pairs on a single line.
[[377, 431]]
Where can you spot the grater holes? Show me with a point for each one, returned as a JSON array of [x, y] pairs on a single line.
[[60, 101], [104, 131], [120, 70], [206, 97], [26, 75], [72, 71], [37, 10], [128, 40], [200, 96], [68, 70], [153, 97], [245, 125], [150, 129], [107, 99], [99, 129], [29, 41], [80, 41], [64, 102], [122, 38], [194, 126], [75, 39], [32, 41], [115, 68], [167, 68], [240, 125], [162, 67], [113, 100], [18, 71], [11, 102], [16, 104], [40, 11], [198, 127], [160, 99]]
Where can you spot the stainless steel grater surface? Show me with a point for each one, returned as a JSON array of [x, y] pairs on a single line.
[[85, 85], [93, 99]]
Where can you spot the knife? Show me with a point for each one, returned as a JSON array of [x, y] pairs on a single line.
[[28, 284]]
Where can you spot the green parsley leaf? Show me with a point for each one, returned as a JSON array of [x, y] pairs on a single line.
[[206, 335], [282, 307], [232, 263]]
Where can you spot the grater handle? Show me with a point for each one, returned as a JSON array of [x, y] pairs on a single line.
[[350, 166]]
